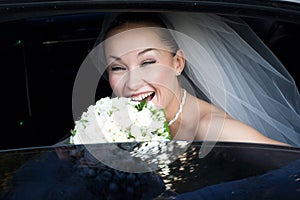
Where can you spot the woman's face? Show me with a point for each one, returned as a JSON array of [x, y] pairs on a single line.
[[141, 66]]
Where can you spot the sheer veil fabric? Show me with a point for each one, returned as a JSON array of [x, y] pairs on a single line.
[[228, 65]]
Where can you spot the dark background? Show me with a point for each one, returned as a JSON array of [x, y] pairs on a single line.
[[38, 74]]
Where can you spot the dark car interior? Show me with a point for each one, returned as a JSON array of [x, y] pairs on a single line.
[[40, 58]]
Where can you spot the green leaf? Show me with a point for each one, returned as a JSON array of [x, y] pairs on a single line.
[[141, 105], [130, 136], [73, 132], [166, 126]]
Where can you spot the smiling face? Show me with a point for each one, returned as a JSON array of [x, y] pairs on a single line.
[[141, 65]]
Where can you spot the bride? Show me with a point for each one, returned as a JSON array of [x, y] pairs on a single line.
[[214, 77]]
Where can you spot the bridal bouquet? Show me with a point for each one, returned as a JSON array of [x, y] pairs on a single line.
[[120, 120]]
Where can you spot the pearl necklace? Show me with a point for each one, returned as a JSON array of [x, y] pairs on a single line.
[[180, 108]]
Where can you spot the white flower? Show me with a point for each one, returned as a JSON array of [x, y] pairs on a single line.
[[143, 117], [120, 120]]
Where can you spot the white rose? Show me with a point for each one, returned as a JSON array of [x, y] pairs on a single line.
[[122, 118], [143, 117], [136, 132], [109, 130]]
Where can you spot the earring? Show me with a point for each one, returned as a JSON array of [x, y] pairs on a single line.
[[178, 73]]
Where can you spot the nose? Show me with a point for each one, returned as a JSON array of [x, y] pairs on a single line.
[[134, 79]]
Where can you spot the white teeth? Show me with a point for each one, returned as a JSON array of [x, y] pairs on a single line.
[[141, 97]]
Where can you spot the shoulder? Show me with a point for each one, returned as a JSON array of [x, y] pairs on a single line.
[[209, 117], [204, 110], [211, 112]]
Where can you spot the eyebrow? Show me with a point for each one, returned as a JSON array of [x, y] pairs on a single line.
[[115, 57], [146, 50], [139, 54]]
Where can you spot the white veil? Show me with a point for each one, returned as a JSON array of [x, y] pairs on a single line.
[[257, 88], [234, 70]]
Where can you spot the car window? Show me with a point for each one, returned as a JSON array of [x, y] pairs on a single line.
[[41, 53]]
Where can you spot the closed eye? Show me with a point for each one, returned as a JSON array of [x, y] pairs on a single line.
[[148, 62], [117, 68]]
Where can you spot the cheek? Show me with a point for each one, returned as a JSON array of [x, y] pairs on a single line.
[[115, 82], [160, 75]]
